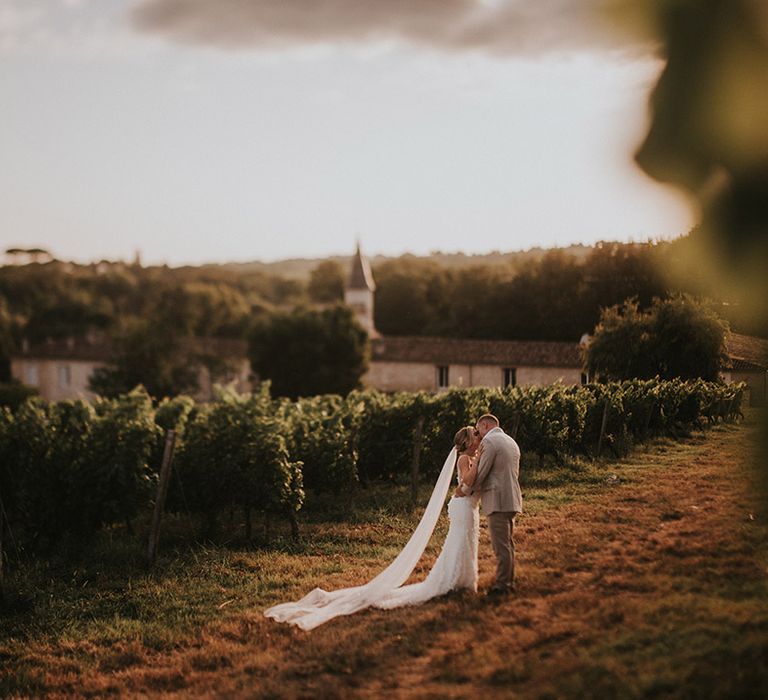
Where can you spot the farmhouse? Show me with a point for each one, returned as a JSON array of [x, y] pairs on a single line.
[[748, 362], [415, 363], [61, 368]]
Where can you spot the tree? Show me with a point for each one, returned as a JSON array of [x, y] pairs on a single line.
[[690, 338], [677, 337], [6, 340], [620, 347], [149, 355], [406, 302], [310, 352], [326, 282], [73, 313]]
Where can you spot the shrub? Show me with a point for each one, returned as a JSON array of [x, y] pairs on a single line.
[[234, 454]]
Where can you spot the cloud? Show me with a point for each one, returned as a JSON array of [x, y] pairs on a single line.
[[74, 4], [17, 22], [495, 26], [64, 28]]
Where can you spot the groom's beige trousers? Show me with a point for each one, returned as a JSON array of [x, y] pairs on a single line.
[[501, 527]]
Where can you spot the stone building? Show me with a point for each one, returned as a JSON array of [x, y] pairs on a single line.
[[436, 364], [748, 363], [61, 368]]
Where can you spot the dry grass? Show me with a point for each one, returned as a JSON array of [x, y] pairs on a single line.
[[649, 584]]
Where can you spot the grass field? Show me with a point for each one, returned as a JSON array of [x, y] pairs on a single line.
[[642, 578]]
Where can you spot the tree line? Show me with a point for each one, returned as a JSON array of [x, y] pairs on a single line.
[[148, 311], [558, 296]]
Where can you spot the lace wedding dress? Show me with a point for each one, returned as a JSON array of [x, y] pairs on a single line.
[[455, 568]]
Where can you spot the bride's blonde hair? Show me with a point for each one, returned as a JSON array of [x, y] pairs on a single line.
[[463, 438]]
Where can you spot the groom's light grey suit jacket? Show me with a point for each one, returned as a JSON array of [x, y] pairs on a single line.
[[497, 474]]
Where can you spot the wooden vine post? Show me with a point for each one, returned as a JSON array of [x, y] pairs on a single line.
[[602, 428], [162, 492], [418, 439], [2, 550], [649, 416], [5, 531], [515, 425]]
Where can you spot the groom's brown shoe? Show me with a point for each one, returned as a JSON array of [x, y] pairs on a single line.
[[497, 593]]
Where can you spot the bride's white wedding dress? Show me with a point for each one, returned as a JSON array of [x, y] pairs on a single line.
[[455, 568]]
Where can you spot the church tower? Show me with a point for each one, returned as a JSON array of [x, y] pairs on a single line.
[[358, 293]]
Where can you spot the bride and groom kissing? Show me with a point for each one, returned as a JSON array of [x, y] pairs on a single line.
[[487, 463]]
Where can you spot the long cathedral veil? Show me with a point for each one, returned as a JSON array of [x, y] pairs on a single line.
[[319, 606]]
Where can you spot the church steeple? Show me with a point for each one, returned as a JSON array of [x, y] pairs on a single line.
[[360, 275], [359, 290]]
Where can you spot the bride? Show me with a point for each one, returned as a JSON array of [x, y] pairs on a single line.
[[455, 568]]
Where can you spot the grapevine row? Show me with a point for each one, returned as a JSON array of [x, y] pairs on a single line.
[[71, 468]]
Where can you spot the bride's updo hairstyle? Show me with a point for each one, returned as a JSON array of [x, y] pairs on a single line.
[[463, 438]]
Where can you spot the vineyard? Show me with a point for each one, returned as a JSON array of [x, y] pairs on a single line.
[[69, 469]]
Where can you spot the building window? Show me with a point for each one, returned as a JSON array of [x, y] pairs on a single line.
[[509, 377], [65, 376], [32, 376], [442, 377]]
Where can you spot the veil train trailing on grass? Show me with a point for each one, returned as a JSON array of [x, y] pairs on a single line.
[[319, 606]]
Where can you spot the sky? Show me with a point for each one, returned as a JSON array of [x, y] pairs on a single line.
[[199, 131]]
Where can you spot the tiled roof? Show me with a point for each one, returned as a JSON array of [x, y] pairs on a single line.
[[100, 350], [446, 351], [744, 365], [360, 275], [748, 350]]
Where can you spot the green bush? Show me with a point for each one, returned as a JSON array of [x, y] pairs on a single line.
[[172, 414], [385, 434], [49, 443], [69, 468], [75, 467], [14, 394], [320, 435], [234, 454], [122, 456]]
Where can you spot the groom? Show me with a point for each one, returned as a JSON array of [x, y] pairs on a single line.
[[499, 488]]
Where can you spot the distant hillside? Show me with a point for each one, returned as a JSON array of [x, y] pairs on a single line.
[[300, 268]]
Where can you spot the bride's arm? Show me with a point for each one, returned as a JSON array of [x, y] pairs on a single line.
[[469, 476], [484, 460], [465, 466]]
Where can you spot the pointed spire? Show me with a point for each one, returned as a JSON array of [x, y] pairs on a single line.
[[360, 275]]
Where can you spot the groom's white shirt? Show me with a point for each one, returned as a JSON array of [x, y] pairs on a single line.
[[498, 473]]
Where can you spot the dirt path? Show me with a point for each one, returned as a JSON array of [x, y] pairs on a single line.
[[649, 584]]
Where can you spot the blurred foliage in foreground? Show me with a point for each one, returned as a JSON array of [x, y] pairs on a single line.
[[708, 136]]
